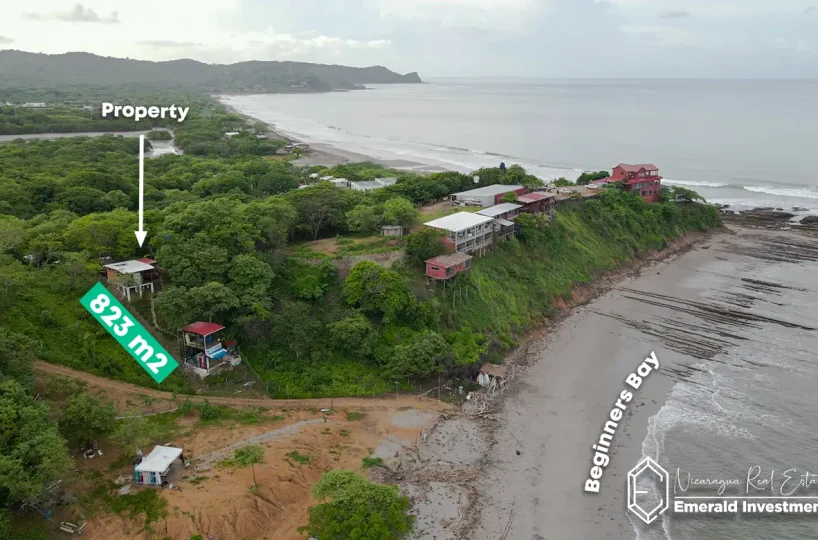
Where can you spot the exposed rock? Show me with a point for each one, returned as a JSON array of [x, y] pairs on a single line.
[[809, 220]]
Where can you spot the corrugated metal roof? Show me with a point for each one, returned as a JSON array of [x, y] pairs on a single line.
[[159, 459], [637, 167], [499, 209], [129, 267], [505, 222], [534, 197], [495, 189], [203, 328], [451, 259], [459, 221]]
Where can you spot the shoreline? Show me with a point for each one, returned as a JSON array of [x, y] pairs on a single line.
[[517, 469], [326, 155], [472, 476]]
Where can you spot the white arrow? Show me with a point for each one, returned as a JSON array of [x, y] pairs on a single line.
[[141, 233]]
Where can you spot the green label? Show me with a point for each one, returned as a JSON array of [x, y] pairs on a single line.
[[133, 337]]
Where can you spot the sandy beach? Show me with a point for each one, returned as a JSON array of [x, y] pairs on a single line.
[[519, 472]]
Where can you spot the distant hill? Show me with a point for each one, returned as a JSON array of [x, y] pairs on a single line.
[[24, 69]]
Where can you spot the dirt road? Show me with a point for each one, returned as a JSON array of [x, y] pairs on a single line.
[[118, 387]]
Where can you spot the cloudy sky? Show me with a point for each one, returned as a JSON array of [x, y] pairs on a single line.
[[533, 38]]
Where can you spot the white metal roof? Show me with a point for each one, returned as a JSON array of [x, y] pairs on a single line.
[[159, 459], [494, 211], [495, 189], [129, 267], [459, 221], [505, 222]]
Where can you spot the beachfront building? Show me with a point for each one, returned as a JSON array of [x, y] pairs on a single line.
[[466, 232], [445, 267], [204, 350], [158, 466], [486, 196], [642, 178], [132, 276], [503, 215], [370, 185], [537, 203]]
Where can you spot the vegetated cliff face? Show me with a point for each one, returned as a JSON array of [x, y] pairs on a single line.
[[20, 69]]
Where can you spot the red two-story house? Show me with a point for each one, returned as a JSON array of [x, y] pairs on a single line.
[[643, 179]]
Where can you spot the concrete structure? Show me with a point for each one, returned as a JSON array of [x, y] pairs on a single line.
[[486, 196], [537, 203], [503, 211], [391, 230], [642, 178], [466, 232], [369, 185], [204, 352], [503, 215], [156, 467], [447, 266], [338, 182], [132, 276]]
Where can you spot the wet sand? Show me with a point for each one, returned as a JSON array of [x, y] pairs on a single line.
[[520, 473]]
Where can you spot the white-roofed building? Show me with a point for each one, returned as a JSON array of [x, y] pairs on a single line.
[[466, 232], [132, 276], [369, 185], [503, 215], [487, 195], [156, 467]]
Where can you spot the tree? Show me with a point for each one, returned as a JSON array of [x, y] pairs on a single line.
[[425, 354], [365, 218], [17, 359], [376, 289], [85, 418], [212, 299], [563, 182], [322, 206], [352, 508], [588, 177], [351, 333], [84, 200], [11, 232], [424, 244], [400, 211], [249, 455], [32, 453], [680, 195], [509, 197], [117, 199], [159, 135]]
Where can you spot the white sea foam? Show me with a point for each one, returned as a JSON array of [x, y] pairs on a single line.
[[693, 183], [802, 193]]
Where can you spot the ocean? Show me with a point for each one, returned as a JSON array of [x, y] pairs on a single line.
[[748, 400], [742, 143], [748, 328]]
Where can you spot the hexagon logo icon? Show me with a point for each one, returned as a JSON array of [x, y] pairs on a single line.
[[639, 498]]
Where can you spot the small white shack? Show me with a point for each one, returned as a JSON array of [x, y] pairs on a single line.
[[153, 469], [132, 276]]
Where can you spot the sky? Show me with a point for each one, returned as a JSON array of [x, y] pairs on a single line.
[[442, 38]]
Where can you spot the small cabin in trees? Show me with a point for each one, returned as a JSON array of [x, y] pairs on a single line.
[[132, 276], [205, 352], [445, 267]]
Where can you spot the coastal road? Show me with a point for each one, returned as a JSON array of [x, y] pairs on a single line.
[[119, 388]]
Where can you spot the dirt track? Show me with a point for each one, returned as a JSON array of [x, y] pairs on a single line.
[[109, 385]]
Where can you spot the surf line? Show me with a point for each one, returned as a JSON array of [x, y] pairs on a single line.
[[601, 457]]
